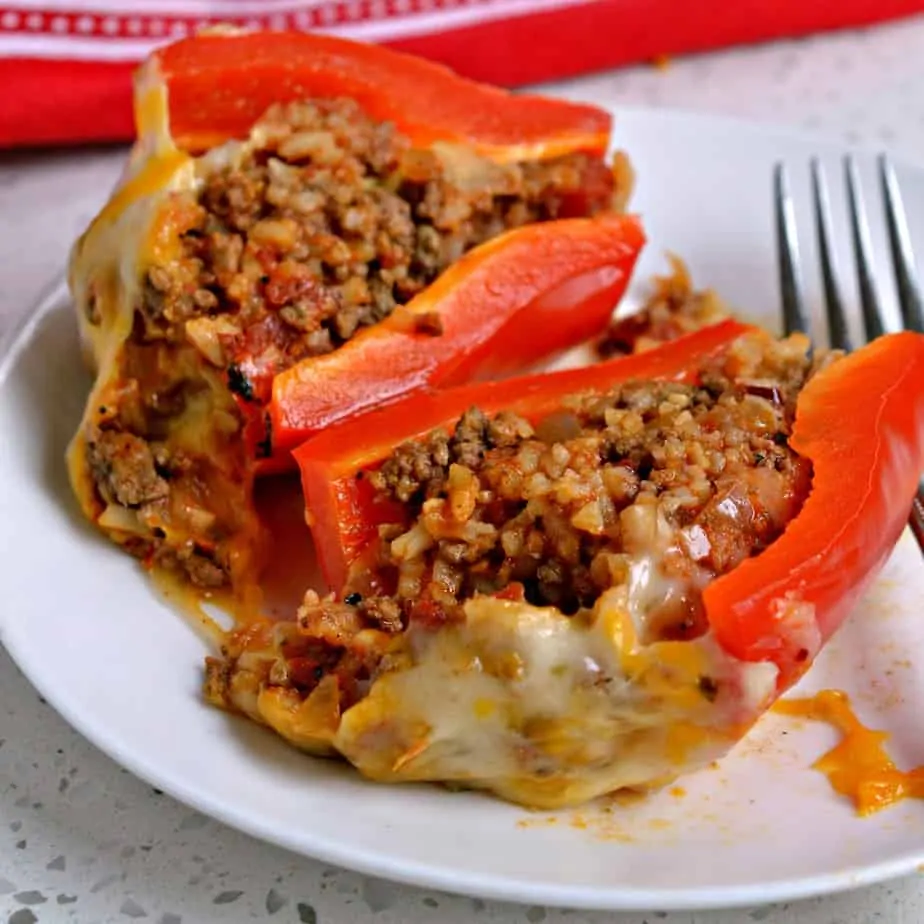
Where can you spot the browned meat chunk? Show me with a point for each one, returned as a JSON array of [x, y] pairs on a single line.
[[123, 466]]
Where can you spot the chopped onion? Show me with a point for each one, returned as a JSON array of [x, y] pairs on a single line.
[[412, 544], [199, 519], [763, 388], [589, 519], [121, 518], [205, 335]]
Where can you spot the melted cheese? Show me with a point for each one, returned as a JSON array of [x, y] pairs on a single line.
[[859, 766], [549, 710], [544, 709], [108, 261], [139, 227]]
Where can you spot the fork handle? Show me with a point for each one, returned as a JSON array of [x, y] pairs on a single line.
[[916, 519]]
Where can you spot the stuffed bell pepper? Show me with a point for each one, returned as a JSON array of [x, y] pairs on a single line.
[[558, 586], [267, 266]]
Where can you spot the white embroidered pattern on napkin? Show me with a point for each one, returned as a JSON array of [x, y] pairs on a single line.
[[127, 30]]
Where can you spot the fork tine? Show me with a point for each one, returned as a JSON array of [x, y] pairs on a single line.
[[863, 250], [791, 289], [909, 292], [795, 318], [837, 322]]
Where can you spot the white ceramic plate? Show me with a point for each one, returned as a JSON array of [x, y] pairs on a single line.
[[87, 628]]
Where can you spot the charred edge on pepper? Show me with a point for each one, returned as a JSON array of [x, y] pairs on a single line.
[[264, 448], [239, 383]]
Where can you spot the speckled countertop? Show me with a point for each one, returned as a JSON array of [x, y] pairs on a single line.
[[82, 840]]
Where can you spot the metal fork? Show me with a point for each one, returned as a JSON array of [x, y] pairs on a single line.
[[795, 315]]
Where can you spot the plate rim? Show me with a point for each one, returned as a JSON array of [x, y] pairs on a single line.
[[417, 873]]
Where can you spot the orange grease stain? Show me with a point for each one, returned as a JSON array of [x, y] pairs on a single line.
[[858, 767]]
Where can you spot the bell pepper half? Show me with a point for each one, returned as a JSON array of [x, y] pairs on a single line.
[[520, 298], [860, 422], [220, 82], [342, 509]]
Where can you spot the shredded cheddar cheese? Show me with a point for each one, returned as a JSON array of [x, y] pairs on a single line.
[[859, 766]]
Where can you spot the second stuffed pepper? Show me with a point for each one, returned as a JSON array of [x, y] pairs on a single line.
[[288, 205]]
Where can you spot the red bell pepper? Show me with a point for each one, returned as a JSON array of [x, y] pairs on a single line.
[[860, 423], [342, 509], [220, 83], [505, 305]]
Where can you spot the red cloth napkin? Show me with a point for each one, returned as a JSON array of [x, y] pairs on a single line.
[[65, 65]]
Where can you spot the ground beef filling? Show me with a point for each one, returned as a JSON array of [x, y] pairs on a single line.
[[149, 488], [674, 308], [693, 479], [328, 221], [162, 448], [679, 482]]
